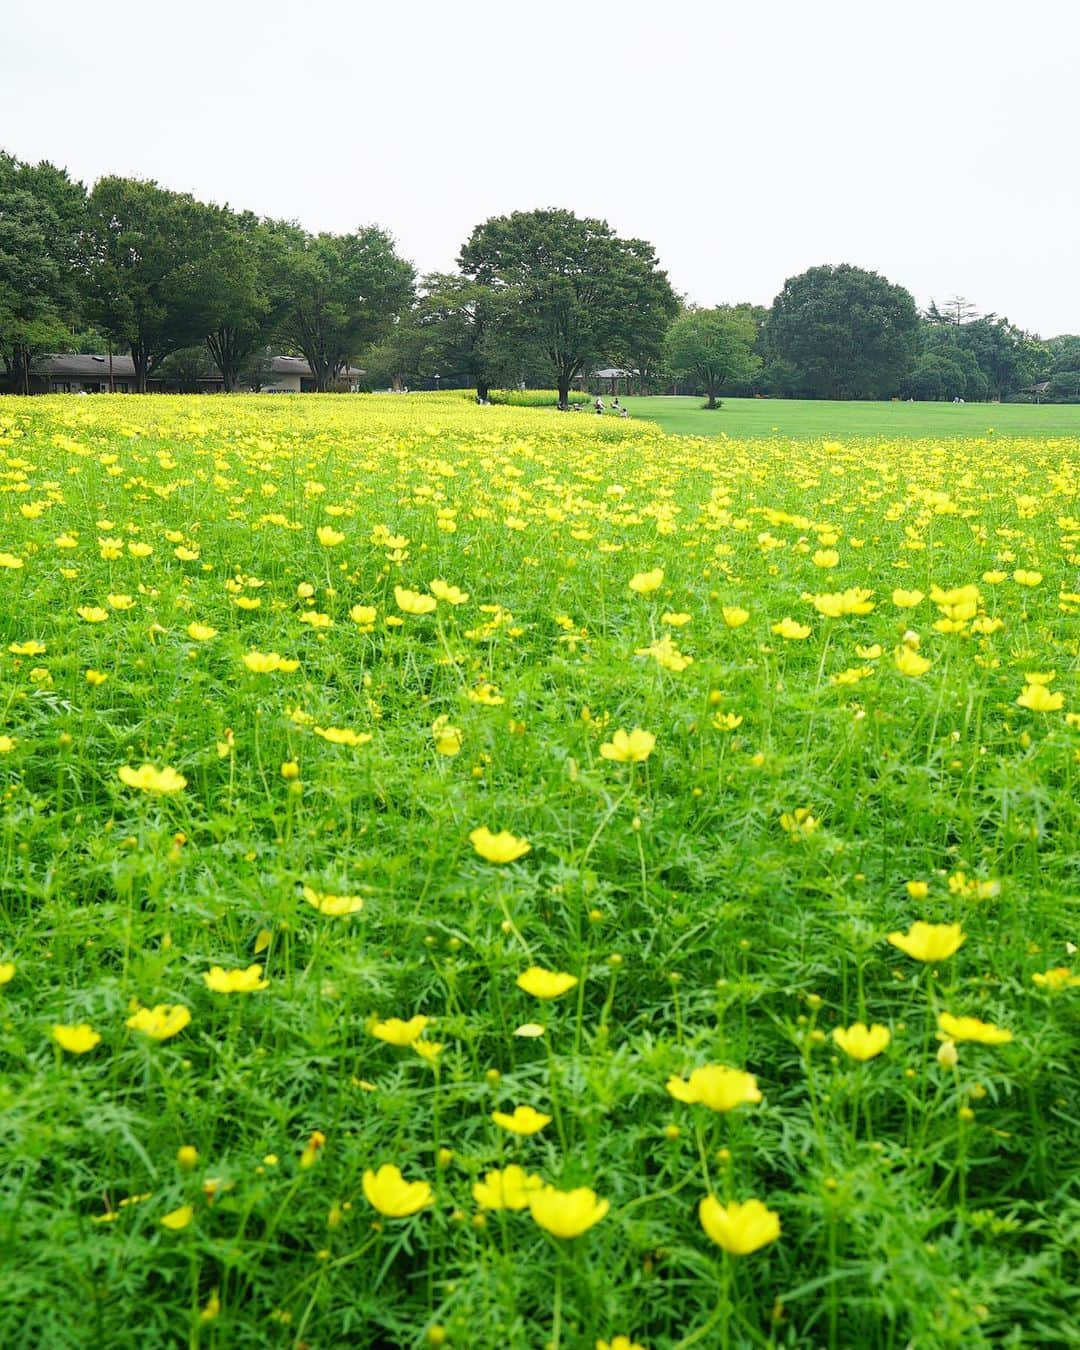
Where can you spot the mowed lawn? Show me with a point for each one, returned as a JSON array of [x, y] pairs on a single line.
[[742, 417]]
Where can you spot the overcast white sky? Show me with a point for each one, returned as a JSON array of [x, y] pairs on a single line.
[[933, 142]]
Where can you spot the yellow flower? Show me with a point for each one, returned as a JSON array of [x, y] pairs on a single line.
[[679, 620], [910, 663], [161, 1021], [363, 615], [1025, 578], [234, 981], [543, 983], [201, 632], [265, 663], [726, 721], [451, 594], [7, 744], [566, 1214], [826, 557], [120, 601], [447, 738], [343, 735], [328, 536], [503, 847], [337, 906], [792, 631], [971, 1029], [734, 615], [644, 583], [524, 1120], [619, 1342], [907, 599], [739, 1228], [717, 1087], [861, 1042], [7, 972], [799, 824], [1061, 977], [412, 602], [149, 779], [31, 648], [77, 1040], [837, 604], [396, 1032], [633, 747], [929, 941], [184, 554], [428, 1050], [92, 613], [95, 678], [870, 653], [1038, 698], [918, 890], [138, 549], [9, 560], [290, 770], [388, 1192], [178, 1218], [508, 1189]]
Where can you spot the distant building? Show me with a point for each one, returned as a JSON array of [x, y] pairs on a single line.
[[70, 373], [607, 380]]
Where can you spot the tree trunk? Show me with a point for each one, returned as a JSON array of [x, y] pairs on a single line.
[[564, 390], [482, 390], [140, 360], [711, 389]]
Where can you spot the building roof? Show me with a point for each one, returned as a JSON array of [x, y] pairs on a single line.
[[612, 373], [71, 365]]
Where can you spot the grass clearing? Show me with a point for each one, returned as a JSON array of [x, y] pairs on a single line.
[[546, 808], [813, 418]]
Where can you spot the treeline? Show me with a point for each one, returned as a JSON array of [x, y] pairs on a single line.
[[539, 298]]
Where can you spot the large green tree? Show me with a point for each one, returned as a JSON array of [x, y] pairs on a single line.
[[343, 292], [577, 292], [148, 277], [845, 332], [41, 216], [712, 347], [249, 262]]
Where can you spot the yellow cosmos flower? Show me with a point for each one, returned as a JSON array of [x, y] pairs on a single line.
[[396, 1032], [178, 1218], [644, 583], [869, 653], [861, 1042], [201, 632], [508, 1189], [137, 549], [716, 1086], [629, 747], [524, 1120], [726, 721], [223, 981], [184, 554], [907, 599], [428, 1050], [413, 602], [792, 631], [95, 678], [1037, 698], [910, 663], [451, 594], [343, 735], [92, 613], [10, 561], [160, 782], [929, 941], [734, 615], [120, 601], [31, 648], [799, 824], [971, 1029], [739, 1228], [247, 602], [337, 906], [388, 1192], [7, 972], [161, 1021], [503, 847], [328, 536], [679, 620], [1061, 977], [77, 1040], [266, 663], [619, 1342], [7, 744], [566, 1214], [835, 605], [541, 983], [448, 739], [994, 578], [363, 615], [918, 890], [1022, 577]]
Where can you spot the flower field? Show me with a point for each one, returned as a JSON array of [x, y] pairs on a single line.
[[478, 877]]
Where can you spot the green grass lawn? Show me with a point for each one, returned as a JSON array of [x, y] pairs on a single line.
[[813, 418]]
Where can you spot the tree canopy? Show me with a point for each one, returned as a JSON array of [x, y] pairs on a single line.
[[712, 346], [579, 293]]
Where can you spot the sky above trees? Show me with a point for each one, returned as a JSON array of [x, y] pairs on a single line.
[[929, 142]]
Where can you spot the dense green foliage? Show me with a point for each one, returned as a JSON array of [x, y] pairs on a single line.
[[713, 346], [274, 672]]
